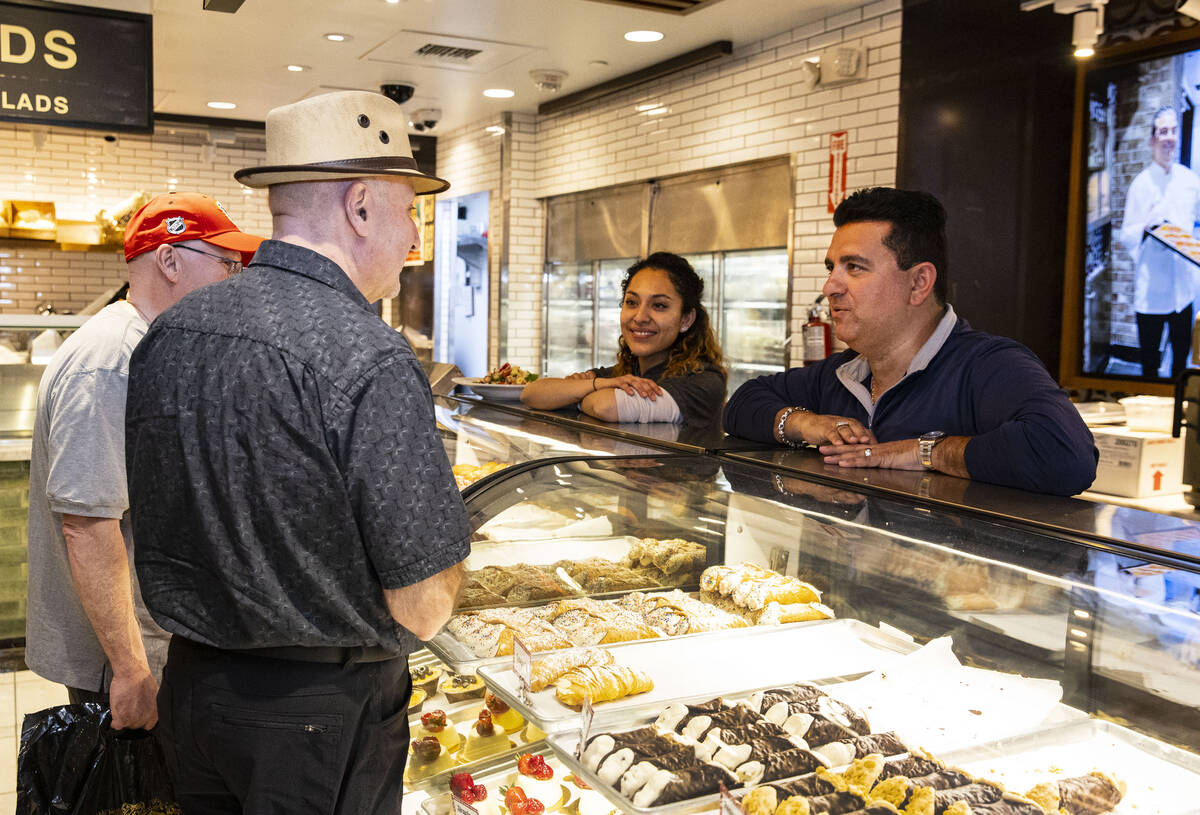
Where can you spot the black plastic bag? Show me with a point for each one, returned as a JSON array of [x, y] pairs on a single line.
[[73, 763]]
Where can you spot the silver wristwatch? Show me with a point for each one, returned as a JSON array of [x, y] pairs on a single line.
[[927, 442]]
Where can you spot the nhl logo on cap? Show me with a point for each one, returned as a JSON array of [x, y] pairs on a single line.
[[176, 225]]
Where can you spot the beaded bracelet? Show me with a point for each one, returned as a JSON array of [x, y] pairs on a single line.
[[779, 434]]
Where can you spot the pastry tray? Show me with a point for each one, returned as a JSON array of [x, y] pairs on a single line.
[[492, 774], [707, 665], [441, 780], [1161, 779]]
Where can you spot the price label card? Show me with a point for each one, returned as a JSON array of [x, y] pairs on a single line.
[[522, 665], [586, 714], [729, 804], [461, 807]]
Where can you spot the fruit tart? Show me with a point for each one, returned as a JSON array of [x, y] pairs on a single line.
[[502, 714], [434, 724], [426, 677], [485, 738], [460, 687]]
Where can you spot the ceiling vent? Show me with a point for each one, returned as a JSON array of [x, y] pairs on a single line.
[[668, 6], [430, 49], [447, 53]]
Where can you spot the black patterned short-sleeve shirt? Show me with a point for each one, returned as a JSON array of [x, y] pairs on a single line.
[[284, 463]]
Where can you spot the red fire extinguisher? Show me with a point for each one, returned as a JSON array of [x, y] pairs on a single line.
[[818, 334]]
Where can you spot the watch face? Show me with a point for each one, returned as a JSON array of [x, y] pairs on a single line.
[[933, 435]]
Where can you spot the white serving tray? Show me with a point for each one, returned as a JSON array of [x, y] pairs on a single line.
[[1161, 779], [709, 665]]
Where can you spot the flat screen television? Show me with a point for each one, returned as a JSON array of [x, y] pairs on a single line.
[[1132, 292]]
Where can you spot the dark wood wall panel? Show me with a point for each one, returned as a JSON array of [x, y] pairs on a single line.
[[985, 124]]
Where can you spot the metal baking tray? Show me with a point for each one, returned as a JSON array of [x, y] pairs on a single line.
[[1161, 779], [708, 665], [493, 774], [461, 659]]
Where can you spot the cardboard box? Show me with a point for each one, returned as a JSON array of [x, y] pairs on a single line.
[[1137, 464]]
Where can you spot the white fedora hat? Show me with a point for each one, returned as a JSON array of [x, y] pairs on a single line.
[[348, 134]]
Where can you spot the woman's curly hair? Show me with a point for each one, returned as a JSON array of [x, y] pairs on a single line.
[[694, 348]]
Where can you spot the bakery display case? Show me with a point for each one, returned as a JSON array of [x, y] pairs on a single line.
[[740, 624]]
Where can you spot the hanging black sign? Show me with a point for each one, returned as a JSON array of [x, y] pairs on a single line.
[[75, 66]]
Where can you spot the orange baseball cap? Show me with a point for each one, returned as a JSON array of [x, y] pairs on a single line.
[[185, 216]]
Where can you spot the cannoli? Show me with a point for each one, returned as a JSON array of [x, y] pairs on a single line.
[[667, 787], [546, 671], [825, 707], [913, 766], [974, 793], [644, 741], [806, 786], [836, 803], [1007, 805], [1090, 794], [843, 752], [792, 693], [603, 683], [943, 779], [797, 761], [676, 714]]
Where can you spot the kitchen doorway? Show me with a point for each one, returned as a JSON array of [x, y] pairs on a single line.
[[460, 332]]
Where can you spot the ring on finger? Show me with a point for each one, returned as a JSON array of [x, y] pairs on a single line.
[[867, 452], [842, 424]]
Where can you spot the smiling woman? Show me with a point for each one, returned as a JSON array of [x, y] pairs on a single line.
[[669, 366]]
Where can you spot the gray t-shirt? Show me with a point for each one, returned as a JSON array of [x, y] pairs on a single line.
[[78, 467]]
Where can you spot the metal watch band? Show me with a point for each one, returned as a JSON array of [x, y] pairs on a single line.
[[925, 445], [779, 426]]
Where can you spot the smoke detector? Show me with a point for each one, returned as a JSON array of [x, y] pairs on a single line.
[[548, 80]]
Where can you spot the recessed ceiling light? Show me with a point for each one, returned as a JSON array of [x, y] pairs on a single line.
[[222, 105], [392, 2], [298, 68], [333, 36], [494, 129], [656, 111], [643, 36], [1083, 53], [499, 93], [644, 108]]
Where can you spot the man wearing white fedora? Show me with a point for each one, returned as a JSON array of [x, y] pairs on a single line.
[[299, 528]]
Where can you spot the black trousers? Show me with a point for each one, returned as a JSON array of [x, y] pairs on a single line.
[[249, 734], [1179, 333]]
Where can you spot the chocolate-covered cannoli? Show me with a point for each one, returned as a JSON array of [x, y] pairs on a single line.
[[805, 786], [698, 726], [822, 731], [836, 803], [681, 785], [675, 715], [843, 752], [910, 767], [645, 741], [790, 693], [1007, 805], [943, 779], [779, 765], [1090, 794], [676, 759], [824, 706], [973, 793]]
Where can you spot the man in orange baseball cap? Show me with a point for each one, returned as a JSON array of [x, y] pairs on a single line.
[[86, 626]]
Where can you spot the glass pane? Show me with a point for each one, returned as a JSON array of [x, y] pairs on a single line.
[[753, 322], [608, 311], [568, 342]]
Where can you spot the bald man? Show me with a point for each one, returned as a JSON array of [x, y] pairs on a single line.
[[86, 626]]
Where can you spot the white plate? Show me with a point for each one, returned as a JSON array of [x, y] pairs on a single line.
[[501, 393]]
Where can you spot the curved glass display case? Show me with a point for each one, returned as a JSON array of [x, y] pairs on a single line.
[[1017, 657]]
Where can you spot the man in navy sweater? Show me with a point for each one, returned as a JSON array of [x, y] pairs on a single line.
[[918, 387]]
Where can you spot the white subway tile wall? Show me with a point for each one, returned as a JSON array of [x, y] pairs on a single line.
[[82, 172], [746, 107]]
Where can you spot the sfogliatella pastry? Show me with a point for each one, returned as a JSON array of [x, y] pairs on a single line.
[[546, 671], [603, 683]]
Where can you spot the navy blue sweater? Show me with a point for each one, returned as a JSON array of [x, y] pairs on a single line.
[[1025, 431]]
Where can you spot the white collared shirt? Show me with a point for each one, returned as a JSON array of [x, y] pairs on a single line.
[[1163, 281], [853, 374]]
